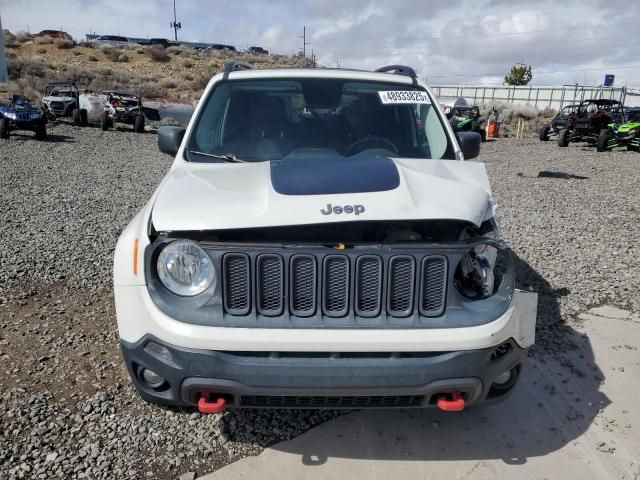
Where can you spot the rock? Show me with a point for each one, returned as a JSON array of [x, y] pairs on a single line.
[[187, 476]]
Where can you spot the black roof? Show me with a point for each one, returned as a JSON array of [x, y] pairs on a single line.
[[62, 82], [601, 101]]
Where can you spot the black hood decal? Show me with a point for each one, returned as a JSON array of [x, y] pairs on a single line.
[[318, 175]]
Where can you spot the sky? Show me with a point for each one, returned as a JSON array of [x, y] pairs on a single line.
[[446, 41]]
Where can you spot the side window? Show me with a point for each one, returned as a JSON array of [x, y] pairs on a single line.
[[434, 132]]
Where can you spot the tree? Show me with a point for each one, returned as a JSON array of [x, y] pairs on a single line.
[[520, 74]]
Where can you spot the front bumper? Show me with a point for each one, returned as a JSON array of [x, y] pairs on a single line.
[[303, 380]]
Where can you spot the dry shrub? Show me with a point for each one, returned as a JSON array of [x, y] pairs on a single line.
[[77, 53], [26, 68], [87, 44], [92, 58], [23, 37], [117, 56], [63, 43], [44, 40], [41, 50], [157, 53], [187, 64], [140, 51], [175, 50], [168, 84]]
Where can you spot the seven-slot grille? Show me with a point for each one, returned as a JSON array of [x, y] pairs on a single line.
[[334, 285]]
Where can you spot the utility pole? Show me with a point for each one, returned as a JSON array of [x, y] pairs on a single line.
[[176, 25], [304, 44], [4, 76]]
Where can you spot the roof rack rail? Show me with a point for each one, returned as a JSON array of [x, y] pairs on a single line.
[[399, 70], [235, 67]]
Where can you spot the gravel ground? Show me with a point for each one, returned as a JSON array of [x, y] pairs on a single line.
[[67, 409]]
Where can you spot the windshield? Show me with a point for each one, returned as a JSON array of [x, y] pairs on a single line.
[[275, 119]]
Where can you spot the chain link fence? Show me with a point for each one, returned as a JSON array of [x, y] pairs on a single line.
[[540, 97]]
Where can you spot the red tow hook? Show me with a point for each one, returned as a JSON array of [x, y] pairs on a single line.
[[456, 404], [204, 406]]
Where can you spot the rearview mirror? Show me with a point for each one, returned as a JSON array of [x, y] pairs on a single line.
[[469, 144], [169, 139]]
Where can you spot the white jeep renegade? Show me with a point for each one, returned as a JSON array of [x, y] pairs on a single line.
[[320, 242]]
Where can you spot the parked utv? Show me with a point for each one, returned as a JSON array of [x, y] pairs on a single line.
[[62, 99], [591, 117], [563, 120], [124, 107], [468, 119], [21, 115], [620, 135]]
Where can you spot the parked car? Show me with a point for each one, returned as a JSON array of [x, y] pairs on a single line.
[[111, 41], [621, 134], [158, 41], [314, 245], [563, 120], [592, 116], [217, 46], [20, 114], [258, 51], [63, 99], [127, 108], [54, 34]]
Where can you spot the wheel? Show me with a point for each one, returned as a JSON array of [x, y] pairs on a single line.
[[4, 128], [77, 119], [138, 126], [41, 131], [105, 121], [544, 133], [602, 144], [483, 134], [84, 121], [563, 138]]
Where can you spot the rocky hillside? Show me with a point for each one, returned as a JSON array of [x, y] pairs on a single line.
[[154, 72]]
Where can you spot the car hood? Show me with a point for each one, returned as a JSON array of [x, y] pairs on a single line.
[[199, 196]]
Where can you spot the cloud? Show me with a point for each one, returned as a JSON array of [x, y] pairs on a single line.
[[448, 41]]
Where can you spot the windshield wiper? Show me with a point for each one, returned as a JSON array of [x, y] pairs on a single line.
[[228, 157]]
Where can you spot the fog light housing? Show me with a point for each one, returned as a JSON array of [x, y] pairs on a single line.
[[159, 351], [151, 378], [506, 379]]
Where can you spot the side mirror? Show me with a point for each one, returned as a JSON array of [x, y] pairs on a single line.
[[169, 139], [469, 144]]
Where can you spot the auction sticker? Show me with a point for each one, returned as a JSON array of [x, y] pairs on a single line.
[[400, 97]]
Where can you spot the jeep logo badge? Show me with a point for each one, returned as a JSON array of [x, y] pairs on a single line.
[[337, 209]]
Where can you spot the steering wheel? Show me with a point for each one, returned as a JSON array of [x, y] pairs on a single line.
[[368, 143]]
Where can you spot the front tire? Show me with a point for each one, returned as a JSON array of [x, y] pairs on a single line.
[[602, 145], [4, 128], [544, 133], [77, 119], [84, 119], [563, 138], [104, 121], [138, 126], [41, 131]]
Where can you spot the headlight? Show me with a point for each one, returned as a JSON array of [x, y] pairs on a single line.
[[184, 268], [474, 277], [10, 115]]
